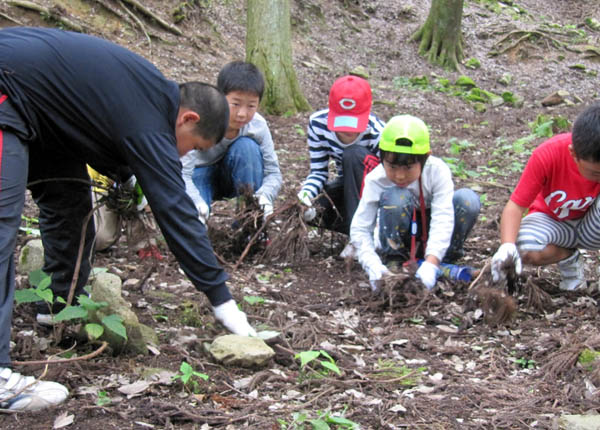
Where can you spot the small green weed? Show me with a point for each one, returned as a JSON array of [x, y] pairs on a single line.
[[328, 364], [189, 377]]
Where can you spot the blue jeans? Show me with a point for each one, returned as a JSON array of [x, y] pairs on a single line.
[[395, 215], [242, 165]]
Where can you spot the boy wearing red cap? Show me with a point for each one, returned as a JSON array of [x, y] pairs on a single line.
[[347, 133]]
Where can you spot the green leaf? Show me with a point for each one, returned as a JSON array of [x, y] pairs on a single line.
[[97, 270], [45, 294], [115, 324], [89, 304], [94, 330], [319, 424], [341, 421], [71, 313], [36, 276], [254, 300], [44, 283], [306, 357], [27, 295], [331, 366], [185, 368]]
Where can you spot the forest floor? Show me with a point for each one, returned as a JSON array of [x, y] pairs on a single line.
[[408, 360]]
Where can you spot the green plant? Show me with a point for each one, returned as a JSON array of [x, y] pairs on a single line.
[[189, 377], [587, 357], [325, 420], [389, 369], [28, 227], [525, 363], [103, 399], [254, 300], [40, 282], [328, 364]]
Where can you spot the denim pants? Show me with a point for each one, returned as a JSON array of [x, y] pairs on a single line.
[[395, 215], [242, 165]]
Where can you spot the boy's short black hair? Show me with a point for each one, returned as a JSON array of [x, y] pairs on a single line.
[[210, 104], [586, 134], [402, 159], [241, 76]]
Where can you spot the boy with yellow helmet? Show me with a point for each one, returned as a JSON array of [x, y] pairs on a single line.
[[412, 195]]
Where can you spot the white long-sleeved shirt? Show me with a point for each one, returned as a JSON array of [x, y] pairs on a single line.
[[258, 130], [438, 191]]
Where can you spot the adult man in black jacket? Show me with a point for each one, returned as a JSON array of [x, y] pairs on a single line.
[[68, 99]]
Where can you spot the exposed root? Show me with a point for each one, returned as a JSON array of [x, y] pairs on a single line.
[[537, 298], [291, 241], [498, 307]]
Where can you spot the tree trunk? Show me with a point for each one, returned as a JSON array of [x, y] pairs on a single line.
[[441, 37], [269, 47]]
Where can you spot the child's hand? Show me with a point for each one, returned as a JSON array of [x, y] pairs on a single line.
[[428, 274], [376, 273], [310, 213], [265, 205], [507, 254]]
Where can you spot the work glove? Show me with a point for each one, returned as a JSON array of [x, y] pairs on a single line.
[[139, 198], [203, 211], [265, 205], [428, 274], [507, 252], [233, 319], [376, 274], [310, 213]]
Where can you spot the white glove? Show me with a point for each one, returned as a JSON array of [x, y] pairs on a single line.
[[428, 274], [310, 213], [376, 273], [233, 319], [265, 204], [203, 211], [132, 184], [507, 252]]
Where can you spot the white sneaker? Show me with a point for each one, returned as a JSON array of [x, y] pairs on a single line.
[[348, 252], [572, 273], [25, 393]]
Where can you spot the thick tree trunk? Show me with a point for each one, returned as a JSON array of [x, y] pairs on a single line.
[[441, 37], [269, 47]]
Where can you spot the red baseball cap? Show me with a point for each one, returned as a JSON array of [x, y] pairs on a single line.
[[349, 104]]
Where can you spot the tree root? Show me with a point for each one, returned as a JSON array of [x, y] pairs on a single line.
[[52, 13], [504, 45], [152, 15]]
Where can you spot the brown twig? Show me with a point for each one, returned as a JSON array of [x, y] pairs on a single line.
[[65, 360]]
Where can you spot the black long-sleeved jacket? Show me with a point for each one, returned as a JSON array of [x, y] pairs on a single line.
[[109, 107]]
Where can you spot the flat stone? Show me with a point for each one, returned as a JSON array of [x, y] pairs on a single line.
[[241, 351]]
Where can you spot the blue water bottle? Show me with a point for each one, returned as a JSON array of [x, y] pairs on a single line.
[[455, 272]]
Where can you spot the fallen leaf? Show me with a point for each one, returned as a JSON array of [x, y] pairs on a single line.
[[63, 420]]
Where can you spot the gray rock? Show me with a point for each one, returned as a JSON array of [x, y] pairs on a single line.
[[579, 422], [106, 287], [241, 351], [31, 257]]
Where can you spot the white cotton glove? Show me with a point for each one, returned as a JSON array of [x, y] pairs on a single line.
[[507, 252], [140, 199], [310, 213], [233, 319], [376, 273], [265, 205], [428, 274], [203, 211]]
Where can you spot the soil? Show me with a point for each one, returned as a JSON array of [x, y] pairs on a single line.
[[465, 356]]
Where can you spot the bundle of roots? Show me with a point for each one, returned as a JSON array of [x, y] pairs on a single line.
[[290, 242]]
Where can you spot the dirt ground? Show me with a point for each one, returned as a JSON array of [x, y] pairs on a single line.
[[408, 360]]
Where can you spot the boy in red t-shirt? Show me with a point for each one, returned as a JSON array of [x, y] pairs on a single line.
[[559, 186]]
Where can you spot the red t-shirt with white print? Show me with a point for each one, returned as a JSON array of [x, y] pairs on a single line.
[[551, 182]]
